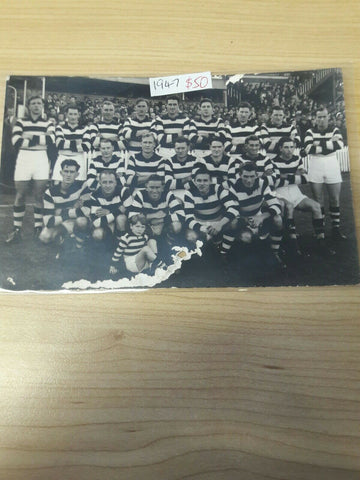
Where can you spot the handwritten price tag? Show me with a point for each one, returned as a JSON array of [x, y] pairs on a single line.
[[180, 83]]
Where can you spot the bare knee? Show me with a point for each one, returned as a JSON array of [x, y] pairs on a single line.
[[45, 236], [98, 234], [277, 222], [81, 223], [121, 223], [246, 236]]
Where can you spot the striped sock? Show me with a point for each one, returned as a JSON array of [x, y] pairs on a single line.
[[18, 215], [38, 217], [276, 237], [319, 228], [335, 216], [226, 244]]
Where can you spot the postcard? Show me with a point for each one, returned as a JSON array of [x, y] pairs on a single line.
[[188, 181]]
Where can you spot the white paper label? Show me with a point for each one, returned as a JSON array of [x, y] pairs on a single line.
[[180, 83]]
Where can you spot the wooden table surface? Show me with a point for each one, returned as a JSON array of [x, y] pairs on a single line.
[[182, 384]]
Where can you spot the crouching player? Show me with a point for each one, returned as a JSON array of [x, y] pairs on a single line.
[[108, 207], [210, 210], [292, 173], [137, 250], [259, 209], [63, 205]]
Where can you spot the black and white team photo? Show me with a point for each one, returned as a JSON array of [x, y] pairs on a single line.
[[103, 187]]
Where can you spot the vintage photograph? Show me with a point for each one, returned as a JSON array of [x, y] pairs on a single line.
[[246, 184]]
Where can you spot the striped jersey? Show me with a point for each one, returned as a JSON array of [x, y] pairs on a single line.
[[217, 204], [176, 172], [168, 129], [30, 134], [139, 166], [207, 130], [323, 142], [129, 245], [287, 171], [116, 164], [60, 205], [167, 206], [130, 129], [256, 199], [219, 172], [117, 203], [71, 141], [272, 134], [237, 133], [103, 129]]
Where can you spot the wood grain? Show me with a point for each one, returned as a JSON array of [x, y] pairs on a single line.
[[182, 384]]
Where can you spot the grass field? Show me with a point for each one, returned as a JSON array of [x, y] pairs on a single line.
[[32, 266]]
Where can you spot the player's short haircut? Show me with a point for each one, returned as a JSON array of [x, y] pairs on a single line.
[[217, 139], [107, 171], [322, 108], [284, 140], [182, 140], [202, 170], [173, 97], [248, 167], [244, 105], [154, 178], [72, 107], [251, 138], [107, 103], [149, 134], [70, 162], [105, 140], [206, 100], [35, 97], [138, 218], [139, 100], [277, 109]]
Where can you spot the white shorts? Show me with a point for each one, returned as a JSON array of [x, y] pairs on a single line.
[[31, 164], [324, 169], [130, 264], [79, 158], [291, 193]]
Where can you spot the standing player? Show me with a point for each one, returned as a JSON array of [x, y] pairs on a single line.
[[217, 163], [135, 127], [72, 141], [31, 136], [144, 163], [208, 126], [105, 160], [321, 143], [179, 167], [264, 165], [275, 130], [241, 128], [108, 127], [170, 126]]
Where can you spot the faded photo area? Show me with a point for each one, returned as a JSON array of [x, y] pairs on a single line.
[[104, 187]]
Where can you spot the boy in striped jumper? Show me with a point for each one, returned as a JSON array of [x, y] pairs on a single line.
[[136, 248]]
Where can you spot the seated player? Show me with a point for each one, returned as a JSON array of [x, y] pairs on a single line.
[[292, 171], [107, 207], [217, 163], [251, 153], [136, 248], [209, 210], [145, 163], [162, 210], [106, 160], [259, 209], [62, 205], [179, 167]]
